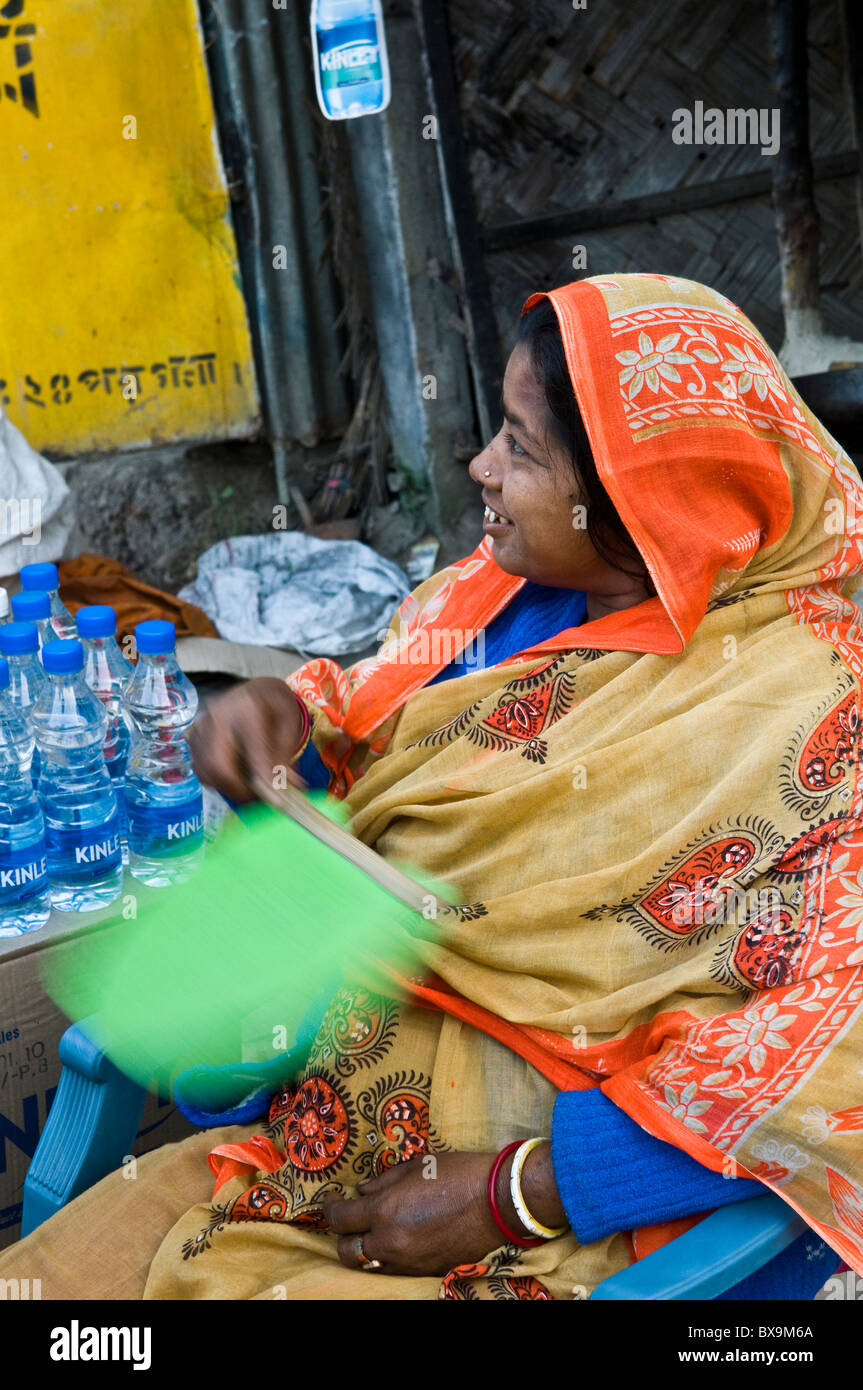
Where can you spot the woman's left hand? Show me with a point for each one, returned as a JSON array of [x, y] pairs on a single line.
[[422, 1217]]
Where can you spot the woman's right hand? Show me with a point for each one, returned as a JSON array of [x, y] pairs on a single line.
[[244, 741]]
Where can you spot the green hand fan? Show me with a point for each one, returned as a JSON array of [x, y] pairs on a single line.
[[283, 904]]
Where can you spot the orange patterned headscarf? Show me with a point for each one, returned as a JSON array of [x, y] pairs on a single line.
[[655, 819]]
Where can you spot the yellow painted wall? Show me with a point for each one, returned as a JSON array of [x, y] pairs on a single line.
[[118, 266]]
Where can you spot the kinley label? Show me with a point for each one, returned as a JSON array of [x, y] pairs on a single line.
[[24, 872], [91, 854], [363, 55], [178, 830], [169, 824], [72, 847]]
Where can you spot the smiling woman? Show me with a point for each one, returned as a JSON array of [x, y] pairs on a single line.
[[550, 518], [647, 795]]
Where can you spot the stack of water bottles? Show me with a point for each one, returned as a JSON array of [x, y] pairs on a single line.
[[95, 771]]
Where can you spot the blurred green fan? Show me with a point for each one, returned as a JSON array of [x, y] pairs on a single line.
[[281, 905]]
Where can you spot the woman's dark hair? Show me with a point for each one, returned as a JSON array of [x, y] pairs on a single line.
[[539, 332]]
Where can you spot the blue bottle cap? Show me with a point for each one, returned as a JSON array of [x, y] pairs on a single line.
[[155, 636], [16, 639], [41, 576], [31, 604], [97, 620], [4, 673], [63, 655]]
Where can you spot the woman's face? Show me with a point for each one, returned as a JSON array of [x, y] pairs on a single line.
[[539, 529]]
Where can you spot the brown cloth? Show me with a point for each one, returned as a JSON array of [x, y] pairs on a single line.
[[98, 579]]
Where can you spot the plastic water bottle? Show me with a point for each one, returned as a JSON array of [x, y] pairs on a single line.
[[107, 673], [352, 71], [19, 643], [85, 868], [164, 801], [44, 576], [34, 606], [5, 615], [25, 901]]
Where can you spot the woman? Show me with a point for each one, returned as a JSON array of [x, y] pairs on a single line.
[[642, 775]]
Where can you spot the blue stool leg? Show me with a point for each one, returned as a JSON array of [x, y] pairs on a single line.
[[91, 1127]]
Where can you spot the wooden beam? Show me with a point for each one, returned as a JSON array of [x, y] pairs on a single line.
[[797, 225], [650, 206], [852, 20], [482, 335]]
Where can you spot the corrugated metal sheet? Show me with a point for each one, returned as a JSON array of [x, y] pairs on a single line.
[[264, 92]]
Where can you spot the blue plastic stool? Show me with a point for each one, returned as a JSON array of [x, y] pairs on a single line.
[[723, 1249]]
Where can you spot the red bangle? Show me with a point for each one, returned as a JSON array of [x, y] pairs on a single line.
[[307, 722], [509, 1235]]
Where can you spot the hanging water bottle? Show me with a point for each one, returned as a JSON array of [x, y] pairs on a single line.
[[107, 673], [44, 576], [34, 606], [352, 72], [164, 801], [83, 828], [25, 901], [19, 643]]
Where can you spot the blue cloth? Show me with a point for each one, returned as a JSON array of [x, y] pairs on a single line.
[[311, 765], [795, 1275], [536, 612], [614, 1176]]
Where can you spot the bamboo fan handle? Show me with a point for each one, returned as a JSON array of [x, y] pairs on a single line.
[[293, 803]]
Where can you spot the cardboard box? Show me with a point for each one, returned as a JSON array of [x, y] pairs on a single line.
[[31, 1027]]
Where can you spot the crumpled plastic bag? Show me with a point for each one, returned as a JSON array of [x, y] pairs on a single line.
[[37, 510], [324, 598]]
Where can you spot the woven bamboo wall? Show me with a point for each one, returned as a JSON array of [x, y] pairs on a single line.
[[564, 107]]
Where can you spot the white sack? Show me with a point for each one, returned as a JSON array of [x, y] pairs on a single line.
[[324, 598]]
